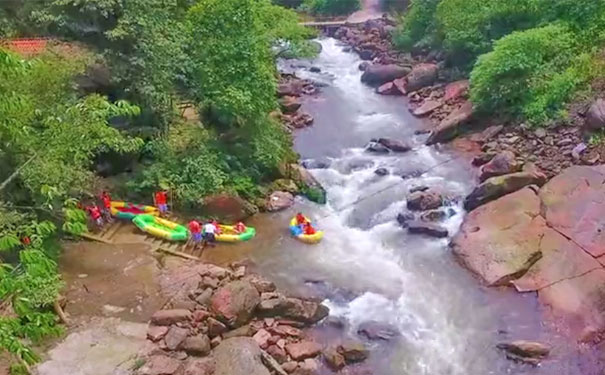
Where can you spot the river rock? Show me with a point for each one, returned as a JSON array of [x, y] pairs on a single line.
[[482, 158], [277, 353], [377, 148], [503, 163], [528, 349], [449, 127], [262, 338], [422, 75], [226, 207], [381, 172], [291, 88], [429, 229], [168, 317], [496, 187], [175, 337], [235, 302], [300, 174], [427, 107], [353, 351], [260, 283], [198, 345], [500, 240], [433, 216], [156, 333], [199, 366], [309, 312], [455, 90], [573, 204], [215, 328], [289, 104], [303, 349], [375, 75], [424, 200], [334, 359], [239, 356], [204, 297], [160, 365], [404, 217], [595, 117], [243, 331], [316, 163], [374, 330], [364, 65], [394, 145], [307, 367], [388, 88], [279, 200]]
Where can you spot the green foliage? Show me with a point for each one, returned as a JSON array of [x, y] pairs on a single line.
[[314, 194], [29, 289], [418, 26], [41, 118], [234, 72], [75, 219], [468, 27], [531, 73], [331, 7]]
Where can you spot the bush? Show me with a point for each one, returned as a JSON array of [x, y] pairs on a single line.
[[469, 27], [530, 73], [331, 7], [418, 26]]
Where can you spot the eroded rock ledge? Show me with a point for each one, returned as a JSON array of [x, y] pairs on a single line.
[[548, 240]]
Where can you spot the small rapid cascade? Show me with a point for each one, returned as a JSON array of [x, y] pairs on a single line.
[[367, 267]]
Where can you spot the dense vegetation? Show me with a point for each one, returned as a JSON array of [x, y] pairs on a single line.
[[111, 87], [526, 58], [331, 7]]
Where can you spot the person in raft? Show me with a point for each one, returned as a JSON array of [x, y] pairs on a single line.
[[308, 229], [95, 215], [160, 199], [240, 227], [209, 234], [217, 227], [195, 229], [301, 219], [106, 206]]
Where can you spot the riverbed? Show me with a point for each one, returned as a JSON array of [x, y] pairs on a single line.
[[369, 268]]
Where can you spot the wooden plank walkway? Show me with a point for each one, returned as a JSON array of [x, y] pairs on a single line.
[[157, 244]]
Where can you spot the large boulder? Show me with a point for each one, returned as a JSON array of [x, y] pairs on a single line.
[[427, 107], [455, 90], [353, 351], [561, 260], [503, 163], [279, 200], [496, 187], [376, 75], [313, 189], [424, 200], [528, 349], [449, 127], [239, 356], [306, 311], [198, 345], [429, 229], [422, 75], [226, 207], [289, 104], [500, 241], [235, 302], [595, 117], [574, 203], [394, 145], [388, 88]]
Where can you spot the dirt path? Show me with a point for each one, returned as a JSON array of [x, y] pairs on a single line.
[[370, 9]]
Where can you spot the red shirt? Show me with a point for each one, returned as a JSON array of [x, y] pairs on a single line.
[[194, 227], [106, 200], [160, 197], [309, 230], [94, 212], [300, 219]]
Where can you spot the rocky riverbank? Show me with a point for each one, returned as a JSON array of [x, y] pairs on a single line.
[[533, 221], [227, 321]]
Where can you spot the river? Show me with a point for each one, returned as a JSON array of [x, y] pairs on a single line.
[[367, 267]]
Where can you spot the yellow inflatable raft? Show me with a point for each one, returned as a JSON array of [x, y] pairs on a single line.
[[228, 234], [297, 232]]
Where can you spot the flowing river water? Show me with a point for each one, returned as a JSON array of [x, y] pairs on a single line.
[[369, 268]]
